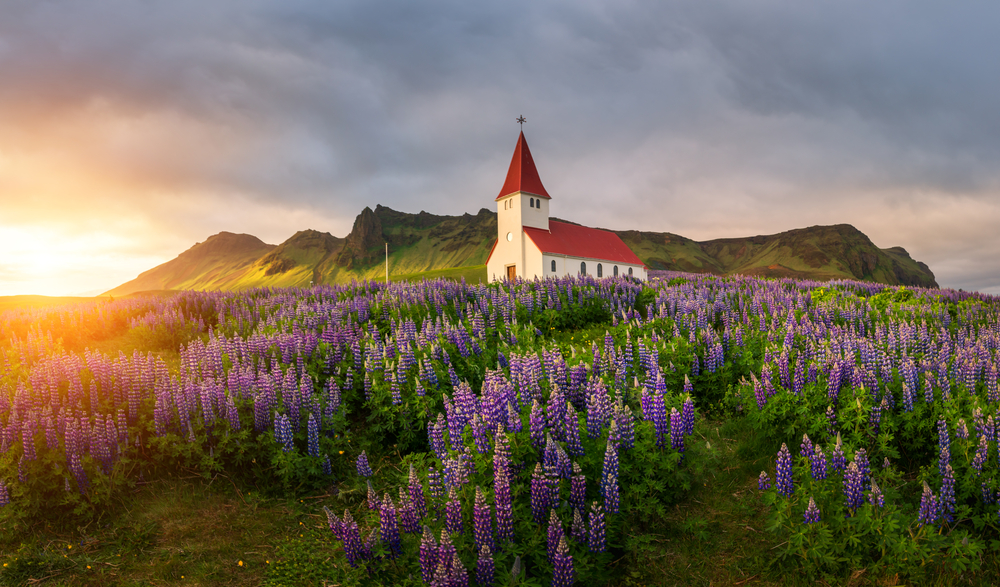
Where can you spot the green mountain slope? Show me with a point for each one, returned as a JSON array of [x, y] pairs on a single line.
[[818, 252], [428, 244]]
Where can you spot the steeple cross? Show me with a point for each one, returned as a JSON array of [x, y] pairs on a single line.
[[521, 120]]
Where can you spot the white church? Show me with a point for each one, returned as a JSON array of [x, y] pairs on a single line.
[[530, 245]]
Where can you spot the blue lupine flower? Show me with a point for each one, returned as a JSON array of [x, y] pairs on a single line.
[[596, 536], [928, 513], [783, 472], [853, 488], [562, 566], [364, 469], [812, 512], [946, 502]]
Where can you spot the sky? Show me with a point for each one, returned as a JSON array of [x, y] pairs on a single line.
[[130, 130]]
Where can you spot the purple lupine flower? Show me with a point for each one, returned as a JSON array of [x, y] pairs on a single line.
[[609, 489], [485, 568], [572, 426], [982, 453], [435, 436], [783, 472], [659, 418], [928, 513], [389, 528], [577, 488], [428, 556], [283, 432], [579, 528], [76, 467], [806, 448], [435, 486], [479, 434], [333, 522], [687, 410], [676, 431], [861, 458], [818, 463], [962, 431], [482, 522], [562, 566], [313, 433], [503, 506], [554, 533], [763, 481], [373, 500], [837, 460], [853, 488], [875, 496], [408, 519], [537, 426], [364, 469], [626, 426], [351, 537], [946, 501], [453, 513], [4, 494], [416, 492], [944, 446], [609, 485], [596, 536], [812, 512], [446, 551], [540, 494], [831, 420]]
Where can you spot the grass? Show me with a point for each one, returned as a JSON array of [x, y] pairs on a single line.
[[471, 274], [192, 531], [171, 532]]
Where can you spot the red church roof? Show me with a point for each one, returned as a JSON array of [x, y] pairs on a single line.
[[579, 241], [522, 175]]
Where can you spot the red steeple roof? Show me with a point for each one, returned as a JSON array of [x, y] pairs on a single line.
[[522, 175]]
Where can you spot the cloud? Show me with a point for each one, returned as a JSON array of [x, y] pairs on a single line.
[[164, 123]]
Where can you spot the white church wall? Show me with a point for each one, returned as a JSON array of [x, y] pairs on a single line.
[[567, 265]]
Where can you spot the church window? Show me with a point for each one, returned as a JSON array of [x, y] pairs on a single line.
[[532, 204], [553, 265], [600, 270], [630, 272], [583, 267], [616, 270]]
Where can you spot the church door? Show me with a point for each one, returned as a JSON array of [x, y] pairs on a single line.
[[512, 272]]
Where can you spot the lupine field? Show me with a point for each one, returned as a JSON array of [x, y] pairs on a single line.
[[526, 433]]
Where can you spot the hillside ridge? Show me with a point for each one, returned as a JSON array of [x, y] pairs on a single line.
[[422, 242]]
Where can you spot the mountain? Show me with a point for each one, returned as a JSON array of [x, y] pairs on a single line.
[[818, 252], [422, 243], [213, 264]]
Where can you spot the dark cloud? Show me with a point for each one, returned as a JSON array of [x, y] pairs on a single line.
[[705, 119]]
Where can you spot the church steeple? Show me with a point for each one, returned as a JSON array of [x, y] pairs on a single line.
[[522, 176]]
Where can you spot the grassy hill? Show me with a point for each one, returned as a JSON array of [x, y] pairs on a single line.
[[428, 245], [818, 252]]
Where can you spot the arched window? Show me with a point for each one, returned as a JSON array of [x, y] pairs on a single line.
[[583, 267], [553, 265], [600, 270], [630, 272], [531, 202], [616, 270]]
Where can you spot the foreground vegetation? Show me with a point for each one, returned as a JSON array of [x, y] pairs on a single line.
[[602, 431]]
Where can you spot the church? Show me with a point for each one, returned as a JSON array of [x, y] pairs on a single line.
[[530, 245]]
